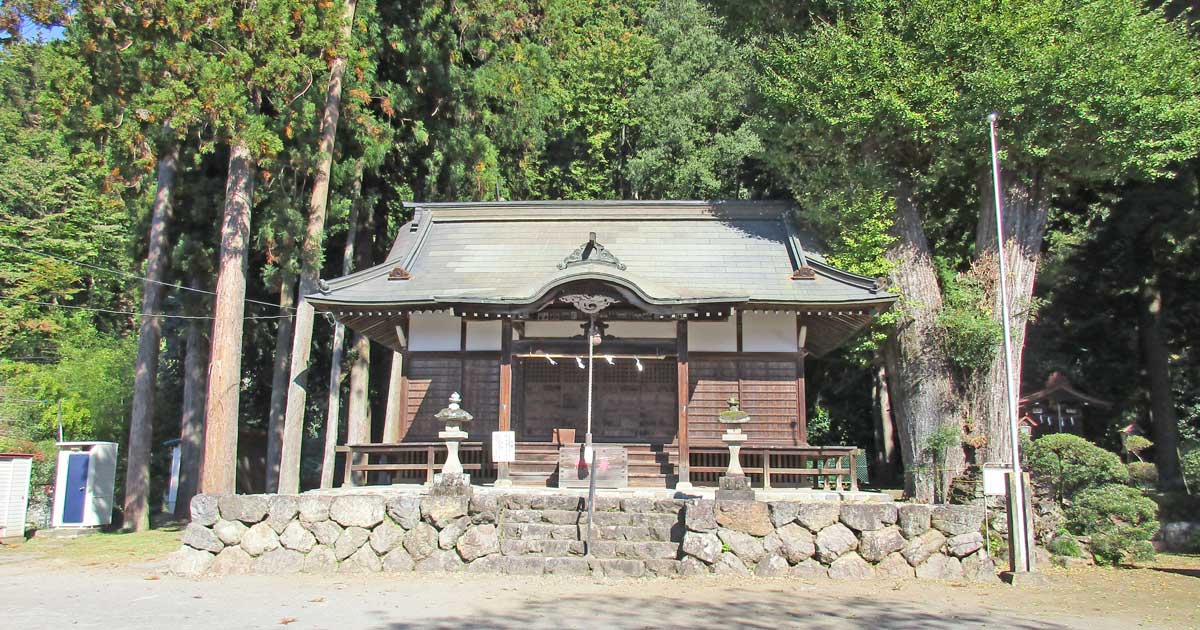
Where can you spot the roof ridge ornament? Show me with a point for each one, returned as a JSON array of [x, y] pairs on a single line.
[[591, 252]]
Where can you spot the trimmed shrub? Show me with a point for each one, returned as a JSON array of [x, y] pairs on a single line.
[[1142, 475], [1065, 545], [1191, 469], [1072, 464], [1119, 520]]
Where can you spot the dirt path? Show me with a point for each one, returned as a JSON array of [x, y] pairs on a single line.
[[51, 592]]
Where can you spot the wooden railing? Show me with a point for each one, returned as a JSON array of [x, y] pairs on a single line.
[[412, 462], [817, 467]]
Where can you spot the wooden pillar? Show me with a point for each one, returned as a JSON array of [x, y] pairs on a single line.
[[395, 421], [505, 419], [681, 359], [801, 395]]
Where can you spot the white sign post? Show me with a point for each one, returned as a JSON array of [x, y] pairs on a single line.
[[504, 447], [994, 483]]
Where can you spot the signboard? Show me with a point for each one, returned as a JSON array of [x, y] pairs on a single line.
[[504, 446], [994, 484], [611, 466]]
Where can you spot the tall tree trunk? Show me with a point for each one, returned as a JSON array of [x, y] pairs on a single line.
[[1156, 358], [141, 423], [191, 420], [333, 410], [923, 400], [1026, 206], [358, 407], [310, 268], [279, 377], [886, 456], [225, 366]]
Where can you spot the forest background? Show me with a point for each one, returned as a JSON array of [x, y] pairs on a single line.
[[173, 173]]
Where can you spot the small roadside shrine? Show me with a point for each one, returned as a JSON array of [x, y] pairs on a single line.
[[1059, 407], [694, 302]]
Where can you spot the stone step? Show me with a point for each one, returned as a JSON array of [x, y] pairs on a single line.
[[574, 565], [537, 531], [604, 549], [600, 517], [656, 550], [519, 547]]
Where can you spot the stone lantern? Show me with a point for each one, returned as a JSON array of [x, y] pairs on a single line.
[[734, 484], [452, 480]]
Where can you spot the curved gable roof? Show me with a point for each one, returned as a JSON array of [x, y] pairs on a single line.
[[669, 252]]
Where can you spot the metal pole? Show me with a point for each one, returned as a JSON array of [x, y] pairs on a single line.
[[588, 454], [1017, 537], [60, 432]]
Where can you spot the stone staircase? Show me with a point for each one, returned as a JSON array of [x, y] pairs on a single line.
[[650, 465], [630, 537]]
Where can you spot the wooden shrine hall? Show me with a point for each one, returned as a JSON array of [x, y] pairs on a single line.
[[695, 302]]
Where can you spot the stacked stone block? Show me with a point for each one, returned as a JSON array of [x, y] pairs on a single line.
[[525, 534]]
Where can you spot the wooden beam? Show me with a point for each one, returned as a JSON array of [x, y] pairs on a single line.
[[681, 359], [505, 419], [739, 330]]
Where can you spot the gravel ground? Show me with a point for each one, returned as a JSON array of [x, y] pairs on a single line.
[[53, 592]]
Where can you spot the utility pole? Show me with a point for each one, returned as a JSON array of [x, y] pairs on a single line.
[[1020, 555]]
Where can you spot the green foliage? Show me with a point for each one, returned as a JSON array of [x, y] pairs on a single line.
[[938, 446], [1119, 520], [1073, 464], [1190, 462], [1135, 444], [1142, 475], [1064, 544], [45, 453], [819, 425], [93, 377], [966, 329], [57, 199]]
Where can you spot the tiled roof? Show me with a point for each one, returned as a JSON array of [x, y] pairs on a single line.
[[671, 252]]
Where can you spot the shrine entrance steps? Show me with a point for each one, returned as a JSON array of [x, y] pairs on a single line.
[[549, 536], [650, 465]]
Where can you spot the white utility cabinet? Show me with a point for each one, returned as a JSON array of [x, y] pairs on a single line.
[[83, 494], [15, 469]]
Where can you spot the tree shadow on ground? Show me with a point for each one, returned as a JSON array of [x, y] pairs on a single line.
[[1192, 573], [739, 609]]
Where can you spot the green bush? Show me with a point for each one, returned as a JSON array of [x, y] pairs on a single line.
[[1191, 469], [1073, 464], [1142, 475], [1065, 544], [1119, 520]]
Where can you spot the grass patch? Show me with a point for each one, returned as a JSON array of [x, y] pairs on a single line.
[[103, 549]]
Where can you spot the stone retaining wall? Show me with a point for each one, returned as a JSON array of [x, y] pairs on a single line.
[[533, 534]]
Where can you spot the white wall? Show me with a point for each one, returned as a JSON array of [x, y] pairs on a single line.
[[553, 329], [643, 330], [483, 335], [768, 332], [712, 336], [434, 332]]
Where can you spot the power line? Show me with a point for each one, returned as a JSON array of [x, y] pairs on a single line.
[[114, 312], [134, 276]]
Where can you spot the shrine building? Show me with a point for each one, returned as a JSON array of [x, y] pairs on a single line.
[[695, 303]]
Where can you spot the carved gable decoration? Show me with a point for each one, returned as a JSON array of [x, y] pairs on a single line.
[[591, 252], [589, 304]]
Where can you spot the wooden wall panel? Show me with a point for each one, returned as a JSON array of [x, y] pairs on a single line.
[[768, 394], [430, 382], [766, 388], [481, 397], [710, 384]]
